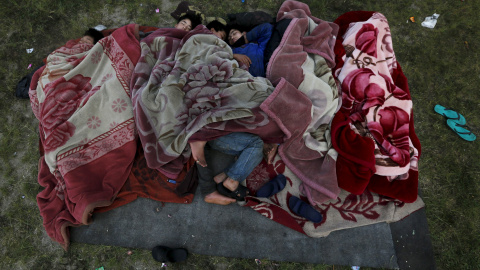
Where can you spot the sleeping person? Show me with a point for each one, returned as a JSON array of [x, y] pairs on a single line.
[[91, 36], [187, 22], [248, 148], [251, 44]]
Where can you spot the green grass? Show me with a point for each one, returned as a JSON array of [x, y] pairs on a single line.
[[439, 65]]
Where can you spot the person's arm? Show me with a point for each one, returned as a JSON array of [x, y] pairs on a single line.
[[243, 59], [260, 34]]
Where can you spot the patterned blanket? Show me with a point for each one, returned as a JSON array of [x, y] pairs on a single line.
[[373, 131], [346, 211], [186, 86], [304, 59], [81, 98]]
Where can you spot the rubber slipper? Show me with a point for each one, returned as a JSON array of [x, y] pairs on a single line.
[[238, 194], [272, 187], [165, 254], [461, 131], [304, 209], [451, 114]]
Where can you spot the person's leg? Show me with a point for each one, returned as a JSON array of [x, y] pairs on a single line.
[[198, 152], [206, 180], [248, 147]]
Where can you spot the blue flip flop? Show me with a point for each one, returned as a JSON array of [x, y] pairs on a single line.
[[272, 187], [451, 114], [304, 209], [461, 131]]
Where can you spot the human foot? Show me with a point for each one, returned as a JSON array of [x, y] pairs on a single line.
[[269, 151], [198, 152], [232, 189], [218, 198], [230, 184]]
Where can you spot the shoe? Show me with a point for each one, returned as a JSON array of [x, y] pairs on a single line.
[[272, 187], [238, 194], [165, 254], [461, 131], [451, 114], [304, 209]]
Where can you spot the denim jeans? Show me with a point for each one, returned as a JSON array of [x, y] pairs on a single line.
[[246, 146]]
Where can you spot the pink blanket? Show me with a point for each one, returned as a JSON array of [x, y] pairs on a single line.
[[373, 131], [82, 101], [303, 59]]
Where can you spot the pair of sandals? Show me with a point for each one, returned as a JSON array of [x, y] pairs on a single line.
[[456, 122]]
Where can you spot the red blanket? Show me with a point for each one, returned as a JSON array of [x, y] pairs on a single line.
[[82, 101], [373, 132]]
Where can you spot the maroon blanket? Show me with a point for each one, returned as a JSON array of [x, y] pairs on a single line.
[[82, 101], [373, 132]]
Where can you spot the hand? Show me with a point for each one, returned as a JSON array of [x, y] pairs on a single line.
[[243, 59]]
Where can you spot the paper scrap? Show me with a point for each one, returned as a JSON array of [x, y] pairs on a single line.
[[30, 50], [431, 21]]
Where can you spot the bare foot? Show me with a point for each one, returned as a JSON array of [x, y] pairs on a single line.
[[218, 198], [198, 152], [269, 151], [220, 178], [231, 184]]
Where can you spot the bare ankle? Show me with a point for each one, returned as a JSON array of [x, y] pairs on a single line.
[[230, 184]]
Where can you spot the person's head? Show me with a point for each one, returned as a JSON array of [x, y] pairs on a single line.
[[91, 36], [234, 34], [187, 22], [218, 29]]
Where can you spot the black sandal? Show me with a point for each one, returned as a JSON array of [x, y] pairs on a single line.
[[238, 194]]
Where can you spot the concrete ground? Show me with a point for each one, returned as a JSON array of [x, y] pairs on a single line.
[[236, 231]]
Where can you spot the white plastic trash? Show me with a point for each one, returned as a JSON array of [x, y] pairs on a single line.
[[100, 27], [431, 21]]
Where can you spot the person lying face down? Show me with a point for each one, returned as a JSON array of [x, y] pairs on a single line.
[[91, 36], [251, 44], [187, 23]]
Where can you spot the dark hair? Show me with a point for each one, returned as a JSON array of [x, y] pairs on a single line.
[[96, 35], [238, 27], [194, 19], [218, 26]]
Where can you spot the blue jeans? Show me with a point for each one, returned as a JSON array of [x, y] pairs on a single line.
[[249, 149]]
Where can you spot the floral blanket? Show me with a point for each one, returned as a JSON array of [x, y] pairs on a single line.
[[303, 60], [346, 211], [373, 131], [81, 98], [186, 86]]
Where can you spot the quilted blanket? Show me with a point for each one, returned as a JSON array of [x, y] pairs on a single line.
[[81, 98], [373, 131]]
